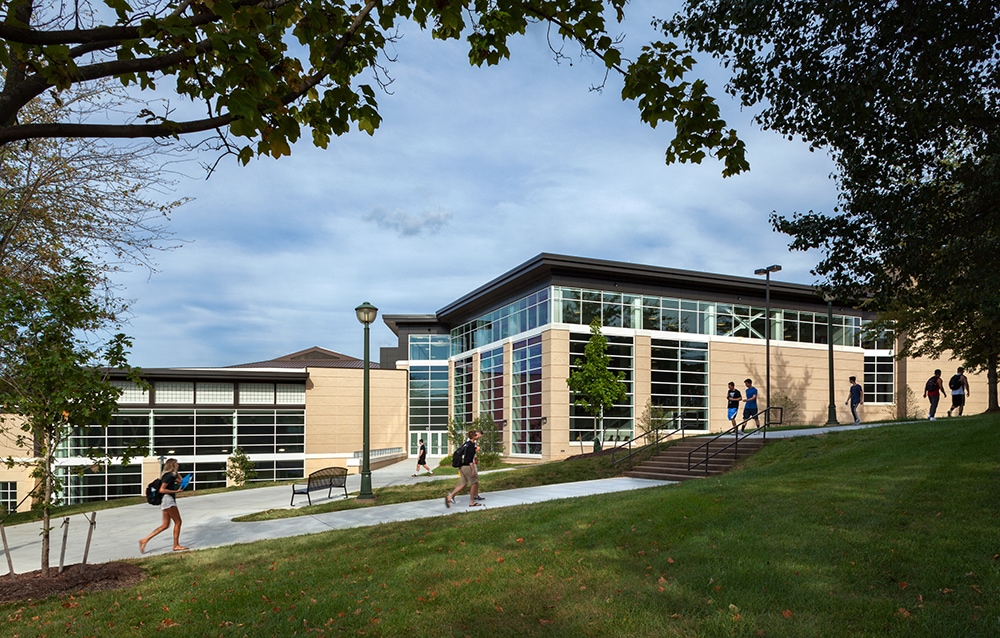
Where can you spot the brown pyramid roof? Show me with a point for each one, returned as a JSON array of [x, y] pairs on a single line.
[[314, 357]]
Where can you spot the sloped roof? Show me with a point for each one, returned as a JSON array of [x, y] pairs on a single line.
[[314, 357]]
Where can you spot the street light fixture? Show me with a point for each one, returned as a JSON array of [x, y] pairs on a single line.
[[366, 315], [831, 415], [767, 333]]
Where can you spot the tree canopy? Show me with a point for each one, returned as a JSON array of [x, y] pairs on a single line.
[[264, 70], [905, 96], [53, 380], [62, 199]]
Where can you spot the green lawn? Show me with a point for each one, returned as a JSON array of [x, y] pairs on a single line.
[[893, 531]]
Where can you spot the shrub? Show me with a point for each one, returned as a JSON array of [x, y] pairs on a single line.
[[241, 469]]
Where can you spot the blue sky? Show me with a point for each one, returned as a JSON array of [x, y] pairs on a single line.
[[472, 172]]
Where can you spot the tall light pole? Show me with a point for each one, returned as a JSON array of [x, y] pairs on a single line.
[[831, 418], [366, 315], [767, 332]]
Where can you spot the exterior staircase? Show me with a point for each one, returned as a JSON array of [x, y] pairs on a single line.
[[672, 463]]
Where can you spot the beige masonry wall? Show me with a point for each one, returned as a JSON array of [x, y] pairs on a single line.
[[10, 427], [915, 373], [555, 395], [799, 371], [334, 414]]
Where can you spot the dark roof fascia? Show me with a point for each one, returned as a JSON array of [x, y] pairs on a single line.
[[216, 374], [395, 321], [552, 269]]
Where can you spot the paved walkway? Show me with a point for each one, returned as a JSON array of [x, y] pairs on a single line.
[[208, 519]]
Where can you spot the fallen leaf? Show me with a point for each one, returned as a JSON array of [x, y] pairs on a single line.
[[787, 613]]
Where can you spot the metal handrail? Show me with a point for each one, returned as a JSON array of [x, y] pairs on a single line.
[[735, 433], [645, 435]]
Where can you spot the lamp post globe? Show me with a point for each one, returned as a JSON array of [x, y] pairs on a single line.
[[366, 315]]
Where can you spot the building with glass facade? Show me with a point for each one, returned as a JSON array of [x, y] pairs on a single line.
[[291, 415], [507, 348]]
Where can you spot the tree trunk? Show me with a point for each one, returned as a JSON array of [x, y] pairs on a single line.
[[46, 503], [991, 383]]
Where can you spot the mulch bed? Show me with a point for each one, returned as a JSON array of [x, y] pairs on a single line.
[[73, 580]]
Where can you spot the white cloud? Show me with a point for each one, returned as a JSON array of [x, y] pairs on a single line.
[[472, 172]]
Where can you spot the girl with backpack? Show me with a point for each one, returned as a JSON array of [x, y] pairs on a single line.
[[170, 484]]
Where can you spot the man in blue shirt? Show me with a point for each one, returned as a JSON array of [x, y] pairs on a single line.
[[750, 409]]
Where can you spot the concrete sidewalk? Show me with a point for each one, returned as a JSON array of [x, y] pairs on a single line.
[[207, 520]]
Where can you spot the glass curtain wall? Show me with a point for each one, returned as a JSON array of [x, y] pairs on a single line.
[[428, 392], [526, 397], [667, 314], [462, 391], [491, 385], [200, 438], [679, 381], [428, 407]]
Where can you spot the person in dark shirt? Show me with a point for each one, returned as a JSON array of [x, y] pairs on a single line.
[[170, 485], [467, 473], [733, 397], [856, 398], [422, 460]]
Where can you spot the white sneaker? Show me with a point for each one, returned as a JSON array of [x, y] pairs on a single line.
[[930, 418]]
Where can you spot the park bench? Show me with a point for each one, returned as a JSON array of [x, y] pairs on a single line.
[[325, 479]]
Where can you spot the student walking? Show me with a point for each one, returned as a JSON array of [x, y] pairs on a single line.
[[856, 398], [422, 460], [959, 384], [467, 472], [933, 390], [750, 409], [733, 398], [170, 485]]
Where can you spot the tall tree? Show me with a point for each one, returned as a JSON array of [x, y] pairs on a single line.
[[594, 386], [52, 380], [79, 197], [262, 70], [906, 98]]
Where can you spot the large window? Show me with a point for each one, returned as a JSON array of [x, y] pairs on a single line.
[[8, 496], [271, 432], [201, 439], [526, 397], [88, 483], [617, 422], [428, 400], [491, 384], [880, 372], [430, 347], [679, 380], [462, 385], [525, 314], [666, 314]]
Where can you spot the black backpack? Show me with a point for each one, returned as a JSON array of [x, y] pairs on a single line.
[[931, 385], [458, 456], [153, 495], [955, 382]]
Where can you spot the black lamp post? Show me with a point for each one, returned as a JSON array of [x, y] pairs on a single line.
[[767, 332], [366, 315], [831, 418]]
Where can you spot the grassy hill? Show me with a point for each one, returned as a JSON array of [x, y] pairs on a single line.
[[893, 531]]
